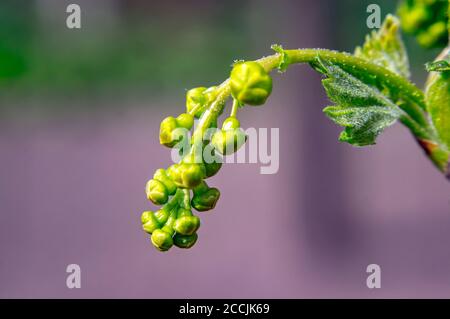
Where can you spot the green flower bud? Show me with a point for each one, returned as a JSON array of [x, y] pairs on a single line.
[[161, 175], [149, 222], [250, 83], [185, 241], [185, 120], [205, 198], [156, 192], [186, 174], [146, 216], [198, 100], [168, 134], [173, 172], [230, 138], [195, 99], [166, 130], [230, 123], [162, 215], [211, 160], [186, 223], [192, 174], [212, 168], [161, 240]]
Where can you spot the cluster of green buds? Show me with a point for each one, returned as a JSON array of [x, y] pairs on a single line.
[[425, 19], [173, 224], [364, 107], [182, 187]]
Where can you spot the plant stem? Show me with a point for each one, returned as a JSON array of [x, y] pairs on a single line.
[[186, 202], [174, 201], [234, 108], [358, 67], [212, 112], [411, 98], [415, 117]]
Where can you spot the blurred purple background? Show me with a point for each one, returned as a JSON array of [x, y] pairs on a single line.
[[71, 191]]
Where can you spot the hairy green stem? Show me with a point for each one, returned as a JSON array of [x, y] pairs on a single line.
[[411, 98], [212, 112], [358, 67], [415, 117]]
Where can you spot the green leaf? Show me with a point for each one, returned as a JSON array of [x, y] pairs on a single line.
[[437, 97], [362, 124], [361, 109], [385, 48]]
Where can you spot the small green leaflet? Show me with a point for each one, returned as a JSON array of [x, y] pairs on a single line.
[[361, 109], [385, 48], [284, 60]]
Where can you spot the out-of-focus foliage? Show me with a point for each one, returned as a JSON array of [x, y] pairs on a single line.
[[426, 20], [146, 48], [15, 35]]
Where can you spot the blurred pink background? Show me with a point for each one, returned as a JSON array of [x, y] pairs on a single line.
[[72, 191]]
